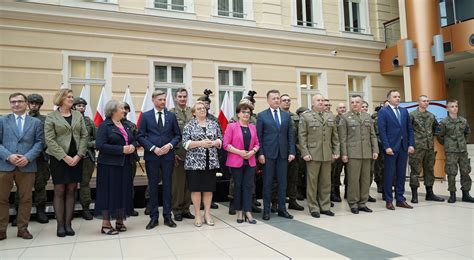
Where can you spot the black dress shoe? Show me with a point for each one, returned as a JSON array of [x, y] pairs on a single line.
[[152, 224], [232, 208], [178, 217], [134, 213], [365, 209], [315, 215], [256, 209], [355, 210], [60, 232], [169, 222], [266, 216], [214, 205], [86, 214], [285, 214], [328, 212], [69, 231], [147, 209], [14, 224], [188, 215], [294, 205], [371, 199], [257, 203], [274, 208], [332, 204]]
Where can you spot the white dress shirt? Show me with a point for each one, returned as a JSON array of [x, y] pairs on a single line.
[[162, 116], [23, 117], [278, 112]]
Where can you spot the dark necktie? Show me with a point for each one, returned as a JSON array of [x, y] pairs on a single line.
[[19, 126], [397, 112], [277, 119], [160, 121]]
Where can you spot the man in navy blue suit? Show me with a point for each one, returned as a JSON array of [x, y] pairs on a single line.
[[159, 134], [277, 148], [396, 135]]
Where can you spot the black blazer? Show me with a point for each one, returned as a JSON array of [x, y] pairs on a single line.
[[109, 141]]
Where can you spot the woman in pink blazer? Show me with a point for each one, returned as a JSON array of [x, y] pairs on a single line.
[[241, 143]]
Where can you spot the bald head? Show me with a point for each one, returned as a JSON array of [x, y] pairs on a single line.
[[341, 108], [318, 103]]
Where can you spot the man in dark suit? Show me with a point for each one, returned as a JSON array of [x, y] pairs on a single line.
[[277, 148], [396, 135], [158, 135], [21, 142]]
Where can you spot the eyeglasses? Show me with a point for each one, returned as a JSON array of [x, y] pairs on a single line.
[[13, 102], [246, 112], [286, 100], [200, 108], [328, 105]]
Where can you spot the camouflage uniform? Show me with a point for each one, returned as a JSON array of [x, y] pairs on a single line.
[[454, 133], [88, 165], [336, 169], [423, 159], [181, 197], [293, 166], [377, 165]]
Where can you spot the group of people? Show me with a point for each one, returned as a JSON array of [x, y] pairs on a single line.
[[185, 147]]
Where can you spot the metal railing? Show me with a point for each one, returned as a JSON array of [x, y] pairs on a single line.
[[392, 32]]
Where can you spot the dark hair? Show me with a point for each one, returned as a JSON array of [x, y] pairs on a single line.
[[326, 100], [243, 106], [285, 95], [205, 98], [452, 100], [272, 91], [356, 96], [180, 90], [390, 93], [250, 95], [17, 94]]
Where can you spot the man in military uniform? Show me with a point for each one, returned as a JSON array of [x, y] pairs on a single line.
[[423, 159], [35, 101], [319, 145], [365, 106], [301, 163], [378, 165], [338, 165], [454, 133], [292, 177], [327, 106], [89, 162], [358, 147], [135, 158], [181, 197], [365, 109]]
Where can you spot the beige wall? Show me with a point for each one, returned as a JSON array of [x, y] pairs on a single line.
[[32, 51]]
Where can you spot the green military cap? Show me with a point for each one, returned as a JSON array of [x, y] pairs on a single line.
[[35, 98], [79, 100], [301, 110]]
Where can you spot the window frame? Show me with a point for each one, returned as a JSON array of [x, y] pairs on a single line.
[[322, 82], [187, 74], [187, 13], [317, 15], [366, 92], [246, 82], [364, 19], [247, 20]]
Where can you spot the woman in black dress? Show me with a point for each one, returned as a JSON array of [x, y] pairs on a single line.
[[66, 139], [116, 144], [201, 138]]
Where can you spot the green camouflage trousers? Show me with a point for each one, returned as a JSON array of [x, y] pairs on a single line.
[[41, 179], [85, 190], [423, 160], [451, 168]]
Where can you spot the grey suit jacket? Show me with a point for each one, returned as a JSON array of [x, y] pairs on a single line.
[[30, 143], [57, 132]]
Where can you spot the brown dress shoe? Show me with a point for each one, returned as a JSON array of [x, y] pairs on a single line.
[[404, 204], [389, 206], [25, 234], [3, 235]]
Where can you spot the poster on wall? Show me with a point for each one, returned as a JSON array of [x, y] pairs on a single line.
[[437, 107]]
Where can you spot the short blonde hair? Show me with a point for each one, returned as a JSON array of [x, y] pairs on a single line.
[[112, 106], [60, 96], [194, 107]]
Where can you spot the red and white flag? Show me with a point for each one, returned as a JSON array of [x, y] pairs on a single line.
[[146, 105], [132, 115], [99, 116], [86, 95], [226, 113], [169, 99]]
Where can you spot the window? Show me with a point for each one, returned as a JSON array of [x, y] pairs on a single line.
[[305, 13], [177, 5], [231, 8], [309, 85], [355, 16], [231, 80], [356, 85], [169, 76], [88, 73]]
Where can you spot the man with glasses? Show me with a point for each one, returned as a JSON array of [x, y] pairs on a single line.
[[21, 142], [327, 106], [292, 177]]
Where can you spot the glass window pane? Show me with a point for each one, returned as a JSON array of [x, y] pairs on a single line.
[[350, 84], [177, 74], [178, 5], [347, 22], [238, 78], [223, 7], [299, 12], [355, 17], [76, 89], [161, 4], [303, 84], [238, 95], [224, 77], [95, 95], [309, 13], [313, 81], [304, 100], [238, 8], [160, 74], [78, 69], [97, 69], [221, 97]]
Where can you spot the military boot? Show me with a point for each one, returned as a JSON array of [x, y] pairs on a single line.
[[231, 207], [41, 215], [430, 196], [414, 194], [466, 197], [14, 220], [452, 197], [294, 205], [86, 214], [337, 194]]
